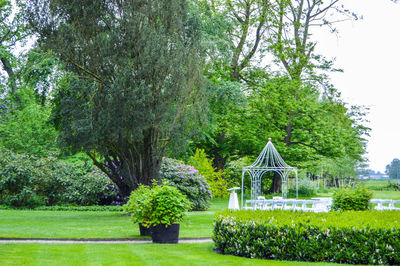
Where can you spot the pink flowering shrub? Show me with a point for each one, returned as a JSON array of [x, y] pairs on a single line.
[[188, 180]]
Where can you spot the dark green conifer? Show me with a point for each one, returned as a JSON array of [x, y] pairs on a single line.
[[134, 66]]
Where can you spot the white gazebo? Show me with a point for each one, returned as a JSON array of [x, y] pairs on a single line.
[[268, 160]]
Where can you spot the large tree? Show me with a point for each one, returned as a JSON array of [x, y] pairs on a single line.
[[133, 68]]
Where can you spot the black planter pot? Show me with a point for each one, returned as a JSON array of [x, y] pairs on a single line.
[[144, 231], [163, 234]]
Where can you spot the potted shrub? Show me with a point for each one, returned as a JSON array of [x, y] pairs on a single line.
[[138, 207], [167, 208]]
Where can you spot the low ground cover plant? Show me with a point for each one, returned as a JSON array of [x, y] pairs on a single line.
[[352, 237]]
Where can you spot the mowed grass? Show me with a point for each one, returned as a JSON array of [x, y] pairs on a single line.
[[125, 254], [64, 224]]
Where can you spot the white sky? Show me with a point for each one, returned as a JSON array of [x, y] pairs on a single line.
[[368, 51]]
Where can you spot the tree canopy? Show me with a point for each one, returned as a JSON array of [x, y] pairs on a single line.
[[128, 81]]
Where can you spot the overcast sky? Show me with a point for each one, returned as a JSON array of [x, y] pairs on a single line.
[[368, 51]]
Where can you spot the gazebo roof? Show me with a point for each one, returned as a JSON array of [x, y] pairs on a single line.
[[269, 158]]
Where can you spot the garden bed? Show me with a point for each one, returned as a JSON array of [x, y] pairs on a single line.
[[368, 237]]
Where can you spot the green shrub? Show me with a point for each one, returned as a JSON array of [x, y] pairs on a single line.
[[307, 188], [392, 186], [356, 199], [28, 181], [161, 204], [216, 179], [138, 205], [167, 205], [343, 237], [188, 181]]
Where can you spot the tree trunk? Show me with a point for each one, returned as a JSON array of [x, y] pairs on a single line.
[[132, 165], [276, 186]]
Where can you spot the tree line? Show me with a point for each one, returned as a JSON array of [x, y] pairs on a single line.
[[128, 82]]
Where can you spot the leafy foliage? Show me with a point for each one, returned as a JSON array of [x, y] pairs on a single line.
[[28, 130], [188, 180], [216, 178], [161, 204], [342, 237], [168, 205], [351, 199], [28, 181], [13, 30], [138, 205]]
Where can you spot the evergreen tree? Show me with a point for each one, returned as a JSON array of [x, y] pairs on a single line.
[[133, 69]]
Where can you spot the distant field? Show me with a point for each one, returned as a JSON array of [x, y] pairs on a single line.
[[377, 184]]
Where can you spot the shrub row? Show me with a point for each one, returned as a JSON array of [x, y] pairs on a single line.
[[93, 208], [343, 237], [28, 181]]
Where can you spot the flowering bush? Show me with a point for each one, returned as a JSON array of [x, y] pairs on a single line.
[[188, 181], [28, 181]]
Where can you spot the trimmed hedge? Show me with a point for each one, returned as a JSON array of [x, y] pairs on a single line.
[[93, 208], [344, 237]]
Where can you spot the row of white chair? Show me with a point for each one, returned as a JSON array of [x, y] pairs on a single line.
[[385, 204], [316, 205]]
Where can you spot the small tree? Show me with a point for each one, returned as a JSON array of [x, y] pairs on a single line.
[[133, 66]]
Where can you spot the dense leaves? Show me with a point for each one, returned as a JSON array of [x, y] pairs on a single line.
[[159, 205], [27, 181], [346, 199], [189, 182], [349, 237]]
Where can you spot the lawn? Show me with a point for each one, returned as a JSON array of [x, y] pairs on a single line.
[[64, 224], [73, 224], [124, 254]]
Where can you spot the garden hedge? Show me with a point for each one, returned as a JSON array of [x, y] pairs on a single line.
[[354, 237]]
